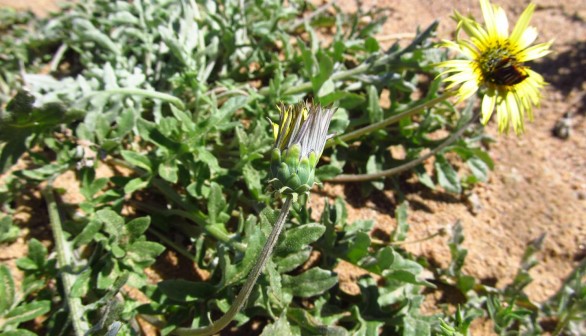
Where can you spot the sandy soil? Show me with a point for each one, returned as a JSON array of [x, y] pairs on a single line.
[[539, 182]]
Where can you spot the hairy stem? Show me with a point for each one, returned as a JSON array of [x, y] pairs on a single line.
[[390, 120], [371, 65], [240, 300], [403, 167], [65, 263]]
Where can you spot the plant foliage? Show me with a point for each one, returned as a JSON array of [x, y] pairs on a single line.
[[160, 110]]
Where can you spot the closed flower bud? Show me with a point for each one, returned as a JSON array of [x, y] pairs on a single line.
[[300, 137]]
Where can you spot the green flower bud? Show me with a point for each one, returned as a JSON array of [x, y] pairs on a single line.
[[300, 137]]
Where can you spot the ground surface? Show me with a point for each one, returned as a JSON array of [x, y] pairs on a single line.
[[539, 182]]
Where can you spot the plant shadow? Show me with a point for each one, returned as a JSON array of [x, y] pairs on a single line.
[[565, 72]]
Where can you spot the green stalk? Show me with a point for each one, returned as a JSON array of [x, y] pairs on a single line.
[[65, 264], [244, 293], [409, 165], [390, 120], [180, 249], [362, 68]]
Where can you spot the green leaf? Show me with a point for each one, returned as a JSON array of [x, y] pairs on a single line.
[[37, 252], [88, 233], [81, 285], [138, 226], [280, 327], [336, 96], [252, 177], [149, 131], [168, 171], [125, 122], [227, 110], [137, 160], [292, 260], [108, 274], [7, 291], [358, 248], [113, 222], [8, 231], [91, 188], [216, 205], [186, 291], [255, 240], [372, 167], [326, 88], [310, 283], [11, 151], [26, 264], [404, 270], [18, 332], [275, 292], [400, 232], [326, 68], [144, 251], [447, 176], [424, 177], [134, 185], [327, 172], [479, 168], [371, 45], [375, 112], [309, 323], [27, 312], [295, 239], [117, 251], [184, 118], [457, 252], [208, 158], [415, 327]]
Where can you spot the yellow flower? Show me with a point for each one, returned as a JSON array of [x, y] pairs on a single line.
[[496, 66]]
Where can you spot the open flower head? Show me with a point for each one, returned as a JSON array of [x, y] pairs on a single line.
[[495, 65], [300, 137]]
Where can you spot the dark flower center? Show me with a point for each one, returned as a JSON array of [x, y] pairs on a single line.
[[500, 67]]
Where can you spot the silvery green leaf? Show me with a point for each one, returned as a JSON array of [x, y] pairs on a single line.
[[310, 283], [26, 312], [7, 291], [446, 175], [295, 239]]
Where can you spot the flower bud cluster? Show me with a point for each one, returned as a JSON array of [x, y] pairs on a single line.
[[300, 137]]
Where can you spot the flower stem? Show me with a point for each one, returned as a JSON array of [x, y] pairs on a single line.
[[240, 300], [390, 120], [180, 249], [65, 263], [411, 164], [370, 65]]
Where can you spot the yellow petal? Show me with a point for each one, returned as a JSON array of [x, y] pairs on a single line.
[[502, 116], [522, 24], [534, 52], [488, 104], [489, 20], [514, 113], [501, 22], [528, 37], [275, 130]]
